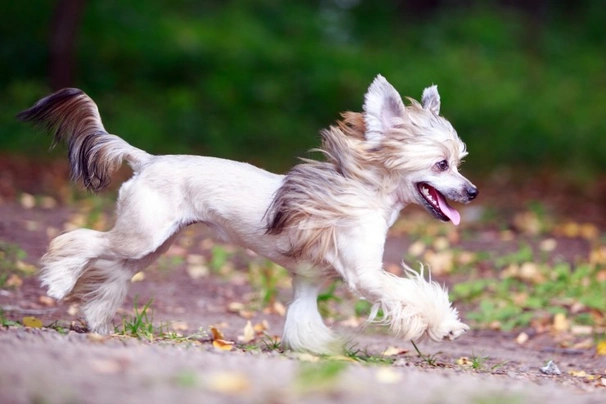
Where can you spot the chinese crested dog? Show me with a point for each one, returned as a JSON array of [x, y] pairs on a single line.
[[322, 220]]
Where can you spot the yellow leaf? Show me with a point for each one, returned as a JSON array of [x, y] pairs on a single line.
[[32, 322], [248, 334], [223, 345], [577, 373], [216, 333], [560, 323], [522, 338], [393, 351], [229, 383], [601, 348], [138, 277], [463, 361], [387, 375]]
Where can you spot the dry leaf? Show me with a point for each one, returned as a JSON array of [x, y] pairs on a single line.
[[138, 277], [522, 338], [229, 382], [463, 361], [589, 231], [46, 300], [439, 262], [32, 322], [601, 348], [14, 281], [417, 248], [47, 202], [441, 243], [577, 373], [560, 323], [261, 327], [248, 333], [27, 201], [216, 333], [387, 375], [223, 345], [279, 309], [393, 351], [72, 310], [548, 245]]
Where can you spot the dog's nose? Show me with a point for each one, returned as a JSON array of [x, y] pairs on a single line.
[[472, 192]]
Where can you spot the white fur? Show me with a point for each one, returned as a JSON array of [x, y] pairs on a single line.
[[167, 193]]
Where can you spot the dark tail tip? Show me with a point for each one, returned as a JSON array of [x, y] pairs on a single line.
[[39, 112]]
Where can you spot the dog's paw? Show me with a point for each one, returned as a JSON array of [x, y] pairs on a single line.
[[449, 331]]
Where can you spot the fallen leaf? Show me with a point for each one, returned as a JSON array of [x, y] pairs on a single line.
[[223, 345], [387, 375], [601, 348], [393, 351], [560, 323], [522, 338], [216, 333], [27, 201], [548, 245], [417, 248], [47, 202], [32, 322], [577, 373], [463, 361], [248, 333], [47, 301], [589, 231], [441, 243], [279, 309], [138, 277], [261, 327], [14, 281], [72, 310], [228, 382]]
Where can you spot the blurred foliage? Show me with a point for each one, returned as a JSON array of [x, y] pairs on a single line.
[[256, 80]]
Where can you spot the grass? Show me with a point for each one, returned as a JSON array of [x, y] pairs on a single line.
[[431, 360], [529, 292], [141, 325], [362, 356], [12, 266]]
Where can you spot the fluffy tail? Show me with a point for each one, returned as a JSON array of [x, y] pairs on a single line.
[[73, 117]]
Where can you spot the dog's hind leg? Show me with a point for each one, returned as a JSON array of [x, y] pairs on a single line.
[[103, 288], [68, 257], [304, 329]]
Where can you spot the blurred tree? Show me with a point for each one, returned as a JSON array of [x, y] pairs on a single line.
[[62, 45]]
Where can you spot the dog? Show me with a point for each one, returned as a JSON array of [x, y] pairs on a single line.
[[322, 220]]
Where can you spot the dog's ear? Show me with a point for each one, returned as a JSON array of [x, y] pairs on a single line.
[[383, 109], [431, 99]]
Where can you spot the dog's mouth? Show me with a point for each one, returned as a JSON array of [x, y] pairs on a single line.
[[436, 204]]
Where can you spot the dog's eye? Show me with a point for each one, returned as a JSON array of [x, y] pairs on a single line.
[[442, 165]]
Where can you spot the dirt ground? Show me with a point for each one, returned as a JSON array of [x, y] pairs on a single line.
[[58, 364]]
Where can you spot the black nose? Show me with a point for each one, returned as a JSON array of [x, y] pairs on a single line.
[[472, 192]]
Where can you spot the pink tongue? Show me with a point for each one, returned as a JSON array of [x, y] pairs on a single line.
[[452, 214]]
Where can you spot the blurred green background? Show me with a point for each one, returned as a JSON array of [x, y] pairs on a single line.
[[523, 82]]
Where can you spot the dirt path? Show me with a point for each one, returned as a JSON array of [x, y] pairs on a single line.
[[42, 365]]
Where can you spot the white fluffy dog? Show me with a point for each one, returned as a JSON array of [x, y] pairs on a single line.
[[323, 220]]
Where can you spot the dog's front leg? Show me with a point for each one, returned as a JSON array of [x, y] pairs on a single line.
[[411, 305], [304, 329]]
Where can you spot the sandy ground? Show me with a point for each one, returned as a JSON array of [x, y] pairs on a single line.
[[41, 365]]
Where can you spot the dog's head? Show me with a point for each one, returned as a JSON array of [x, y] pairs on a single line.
[[419, 147]]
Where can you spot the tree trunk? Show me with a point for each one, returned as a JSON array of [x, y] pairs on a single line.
[[62, 46]]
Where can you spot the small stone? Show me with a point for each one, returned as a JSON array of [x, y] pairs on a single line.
[[551, 369]]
